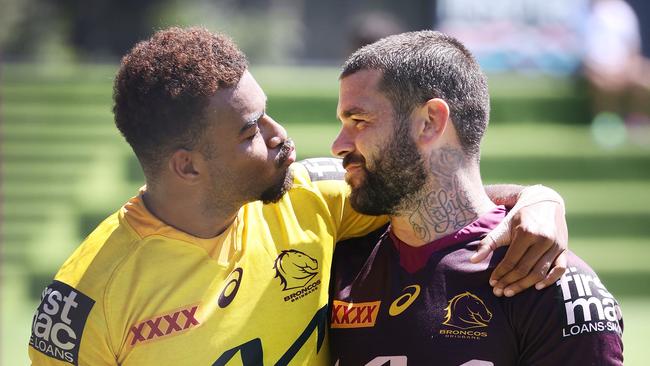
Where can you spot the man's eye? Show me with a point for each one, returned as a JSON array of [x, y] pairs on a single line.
[[359, 123], [255, 133]]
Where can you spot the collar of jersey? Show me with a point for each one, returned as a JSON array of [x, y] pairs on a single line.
[[412, 259], [145, 224]]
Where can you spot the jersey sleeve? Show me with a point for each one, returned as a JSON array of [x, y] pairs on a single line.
[[326, 176], [69, 328], [575, 322]]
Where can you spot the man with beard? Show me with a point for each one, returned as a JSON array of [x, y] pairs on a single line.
[[414, 108], [196, 270]]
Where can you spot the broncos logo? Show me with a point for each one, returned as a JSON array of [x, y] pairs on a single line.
[[466, 311], [295, 269]]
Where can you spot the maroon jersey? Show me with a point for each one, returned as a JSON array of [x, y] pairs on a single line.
[[393, 304]]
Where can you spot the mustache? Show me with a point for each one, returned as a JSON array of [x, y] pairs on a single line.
[[353, 158], [285, 150]]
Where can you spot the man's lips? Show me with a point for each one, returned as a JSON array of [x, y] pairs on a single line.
[[354, 173], [292, 156], [353, 167], [287, 154], [351, 162]]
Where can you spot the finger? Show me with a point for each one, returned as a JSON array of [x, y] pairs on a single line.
[[537, 273], [520, 244], [559, 267], [499, 236], [528, 262], [485, 247]]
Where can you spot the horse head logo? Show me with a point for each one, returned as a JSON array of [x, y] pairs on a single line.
[[466, 311], [295, 269]]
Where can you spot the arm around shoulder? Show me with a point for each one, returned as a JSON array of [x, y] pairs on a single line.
[[536, 231]]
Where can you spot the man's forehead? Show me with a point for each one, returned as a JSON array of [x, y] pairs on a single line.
[[359, 94], [246, 99], [247, 96]]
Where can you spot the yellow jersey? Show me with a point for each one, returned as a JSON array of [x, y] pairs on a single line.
[[139, 292]]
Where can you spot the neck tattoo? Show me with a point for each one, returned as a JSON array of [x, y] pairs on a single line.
[[444, 206]]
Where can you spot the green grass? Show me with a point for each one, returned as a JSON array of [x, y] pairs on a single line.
[[636, 329], [65, 167]]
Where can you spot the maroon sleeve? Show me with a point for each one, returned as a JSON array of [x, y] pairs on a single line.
[[575, 322]]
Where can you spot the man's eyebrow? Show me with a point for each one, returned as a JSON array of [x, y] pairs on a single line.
[[251, 123], [354, 111]]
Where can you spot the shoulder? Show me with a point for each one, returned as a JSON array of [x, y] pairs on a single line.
[[359, 247], [322, 169], [322, 175], [585, 300], [307, 199], [317, 182], [98, 255], [73, 304], [578, 296], [574, 321], [576, 315], [85, 275]]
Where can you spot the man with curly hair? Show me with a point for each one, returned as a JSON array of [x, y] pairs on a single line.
[[226, 251]]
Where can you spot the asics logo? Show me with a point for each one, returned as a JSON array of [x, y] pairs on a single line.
[[405, 300]]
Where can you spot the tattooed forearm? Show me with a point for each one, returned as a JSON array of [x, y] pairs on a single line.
[[445, 207]]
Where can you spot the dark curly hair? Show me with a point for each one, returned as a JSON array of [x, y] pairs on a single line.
[[418, 66], [164, 85]]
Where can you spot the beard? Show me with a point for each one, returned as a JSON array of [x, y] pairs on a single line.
[[275, 192], [397, 175], [254, 186]]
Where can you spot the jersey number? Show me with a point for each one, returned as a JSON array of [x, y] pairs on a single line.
[[252, 354], [402, 361]]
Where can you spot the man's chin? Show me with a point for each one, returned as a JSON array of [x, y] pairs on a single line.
[[277, 191], [363, 203], [355, 178]]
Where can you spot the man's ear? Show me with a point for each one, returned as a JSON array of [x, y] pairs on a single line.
[[183, 164], [432, 119]]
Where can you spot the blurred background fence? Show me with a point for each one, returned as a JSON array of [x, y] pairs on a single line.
[[65, 167]]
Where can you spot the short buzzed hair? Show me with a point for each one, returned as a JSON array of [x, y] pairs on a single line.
[[418, 66], [164, 85]]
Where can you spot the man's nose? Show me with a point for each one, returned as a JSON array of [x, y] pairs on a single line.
[[274, 133], [343, 143]]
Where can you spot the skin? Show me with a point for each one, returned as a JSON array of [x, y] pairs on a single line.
[[239, 157], [453, 194], [243, 153], [444, 207]]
